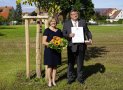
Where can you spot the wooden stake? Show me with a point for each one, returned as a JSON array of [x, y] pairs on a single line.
[[27, 48], [38, 54], [41, 46], [46, 26], [46, 23], [38, 44]]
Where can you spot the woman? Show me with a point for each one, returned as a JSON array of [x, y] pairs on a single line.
[[51, 57]]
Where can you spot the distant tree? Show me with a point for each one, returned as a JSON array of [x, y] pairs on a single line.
[[67, 5], [33, 13], [11, 15], [18, 13], [100, 17], [1, 20], [87, 10]]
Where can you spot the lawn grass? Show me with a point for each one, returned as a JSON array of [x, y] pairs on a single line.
[[103, 63]]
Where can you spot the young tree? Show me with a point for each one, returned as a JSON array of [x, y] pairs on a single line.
[[84, 6]]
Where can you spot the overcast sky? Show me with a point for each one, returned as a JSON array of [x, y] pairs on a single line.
[[97, 3], [108, 4]]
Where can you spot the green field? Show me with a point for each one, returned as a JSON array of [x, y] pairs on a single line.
[[103, 64]]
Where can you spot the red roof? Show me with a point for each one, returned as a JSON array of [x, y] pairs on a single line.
[[4, 14], [4, 11], [115, 14], [105, 11]]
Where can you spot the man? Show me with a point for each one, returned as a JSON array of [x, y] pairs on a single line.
[[76, 51]]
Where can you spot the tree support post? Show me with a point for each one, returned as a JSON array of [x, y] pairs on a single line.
[[27, 48]]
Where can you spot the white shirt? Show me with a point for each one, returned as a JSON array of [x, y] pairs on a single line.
[[75, 23]]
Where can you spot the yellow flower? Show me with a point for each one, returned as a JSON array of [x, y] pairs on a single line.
[[57, 43]]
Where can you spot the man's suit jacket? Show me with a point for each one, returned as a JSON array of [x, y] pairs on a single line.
[[67, 30]]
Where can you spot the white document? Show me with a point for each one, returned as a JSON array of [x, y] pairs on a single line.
[[79, 34]]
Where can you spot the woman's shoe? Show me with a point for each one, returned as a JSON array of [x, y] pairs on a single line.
[[49, 85], [54, 84]]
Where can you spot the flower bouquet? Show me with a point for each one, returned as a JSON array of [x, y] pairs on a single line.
[[58, 43]]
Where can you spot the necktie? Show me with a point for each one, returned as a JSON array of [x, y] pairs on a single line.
[[75, 24]]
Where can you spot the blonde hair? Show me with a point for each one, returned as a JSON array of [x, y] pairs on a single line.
[[50, 20]]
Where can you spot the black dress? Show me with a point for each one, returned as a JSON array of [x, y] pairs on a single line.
[[51, 56]]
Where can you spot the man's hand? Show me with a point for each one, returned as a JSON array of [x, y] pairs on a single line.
[[71, 35], [88, 42]]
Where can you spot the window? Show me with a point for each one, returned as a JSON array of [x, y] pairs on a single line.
[[1, 10]]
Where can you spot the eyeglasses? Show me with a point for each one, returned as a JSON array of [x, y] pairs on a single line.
[[74, 14]]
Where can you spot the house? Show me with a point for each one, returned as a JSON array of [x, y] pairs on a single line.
[[105, 11], [4, 11], [116, 16], [113, 13]]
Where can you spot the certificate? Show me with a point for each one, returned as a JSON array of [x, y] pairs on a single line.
[[79, 34]]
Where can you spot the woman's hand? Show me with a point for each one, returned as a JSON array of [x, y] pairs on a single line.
[[44, 41]]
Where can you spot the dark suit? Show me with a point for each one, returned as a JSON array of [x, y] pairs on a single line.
[[76, 52]]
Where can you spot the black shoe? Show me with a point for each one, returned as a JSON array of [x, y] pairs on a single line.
[[70, 81], [81, 81]]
